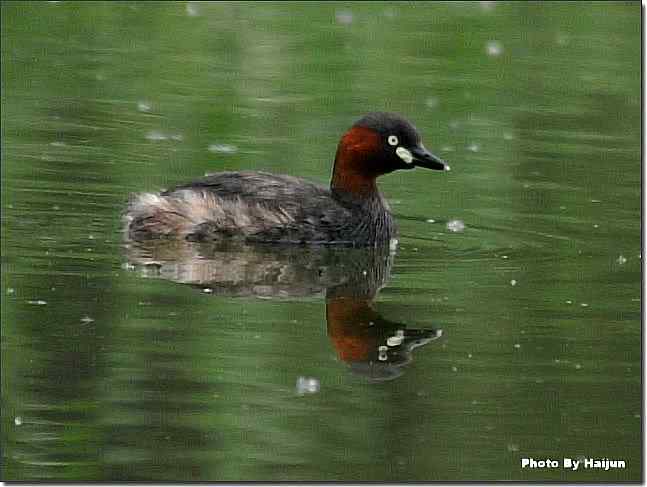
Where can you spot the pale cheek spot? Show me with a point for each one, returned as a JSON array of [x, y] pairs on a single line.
[[404, 154]]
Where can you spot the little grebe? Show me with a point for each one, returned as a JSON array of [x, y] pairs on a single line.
[[264, 207]]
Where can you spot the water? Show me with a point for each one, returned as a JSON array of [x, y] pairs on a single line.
[[516, 336]]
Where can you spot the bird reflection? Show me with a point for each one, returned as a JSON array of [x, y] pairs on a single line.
[[349, 279]]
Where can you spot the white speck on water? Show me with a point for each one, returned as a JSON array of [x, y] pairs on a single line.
[[526, 185], [504, 256], [431, 102], [344, 17], [86, 320], [58, 143], [595, 225], [364, 273], [447, 148], [584, 305], [223, 148], [38, 302], [307, 385], [578, 366], [562, 207], [17, 420], [517, 345], [207, 290], [192, 9], [455, 226], [494, 48], [508, 136], [513, 282], [454, 369], [513, 447], [474, 147], [156, 136], [469, 355], [431, 220], [10, 290], [596, 201], [144, 106], [621, 259], [568, 301]]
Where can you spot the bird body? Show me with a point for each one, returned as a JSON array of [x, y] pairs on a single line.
[[270, 208]]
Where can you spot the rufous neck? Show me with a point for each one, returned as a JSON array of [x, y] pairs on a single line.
[[352, 170]]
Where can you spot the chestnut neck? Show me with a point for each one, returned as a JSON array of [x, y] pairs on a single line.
[[352, 170]]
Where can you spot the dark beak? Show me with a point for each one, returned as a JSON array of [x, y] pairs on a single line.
[[423, 158]]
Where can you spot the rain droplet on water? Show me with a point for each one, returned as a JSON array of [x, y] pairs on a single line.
[[621, 259], [494, 48], [156, 136], [455, 226], [144, 106], [307, 385], [223, 148]]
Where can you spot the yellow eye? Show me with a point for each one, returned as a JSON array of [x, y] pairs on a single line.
[[393, 140]]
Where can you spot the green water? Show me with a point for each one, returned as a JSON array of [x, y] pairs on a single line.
[[184, 363]]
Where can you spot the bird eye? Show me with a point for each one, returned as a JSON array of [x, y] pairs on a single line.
[[393, 140]]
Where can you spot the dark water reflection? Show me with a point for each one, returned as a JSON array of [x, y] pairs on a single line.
[[349, 279]]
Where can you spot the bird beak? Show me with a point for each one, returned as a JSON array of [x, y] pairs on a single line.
[[423, 158]]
